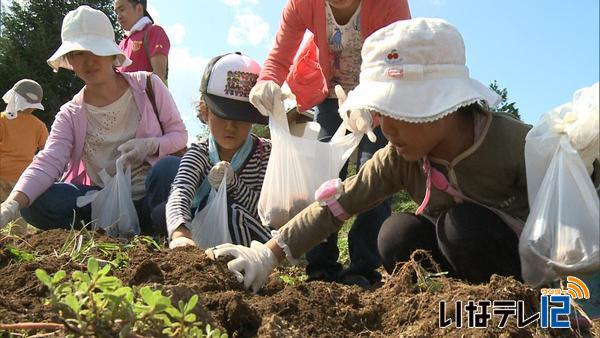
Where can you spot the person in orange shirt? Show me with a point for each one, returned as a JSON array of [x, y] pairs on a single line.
[[22, 135]]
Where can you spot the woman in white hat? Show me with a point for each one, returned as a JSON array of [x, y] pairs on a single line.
[[462, 163], [111, 117]]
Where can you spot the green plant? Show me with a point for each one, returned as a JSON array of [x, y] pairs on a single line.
[[93, 303], [293, 280], [19, 255]]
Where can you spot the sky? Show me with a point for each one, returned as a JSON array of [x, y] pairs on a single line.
[[540, 50]]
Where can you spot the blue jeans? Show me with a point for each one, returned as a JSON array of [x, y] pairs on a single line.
[[362, 238], [57, 208]]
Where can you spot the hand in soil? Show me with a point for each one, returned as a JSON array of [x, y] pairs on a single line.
[[256, 262]]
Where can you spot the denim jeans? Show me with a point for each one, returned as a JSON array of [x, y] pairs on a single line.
[[57, 208], [362, 238]]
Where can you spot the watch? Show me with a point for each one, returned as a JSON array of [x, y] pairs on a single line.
[[327, 195]]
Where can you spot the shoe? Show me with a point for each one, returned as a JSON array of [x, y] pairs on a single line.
[[359, 280], [322, 276]]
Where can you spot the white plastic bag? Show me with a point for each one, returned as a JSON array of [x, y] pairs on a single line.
[[561, 236], [210, 225], [297, 167], [112, 207]]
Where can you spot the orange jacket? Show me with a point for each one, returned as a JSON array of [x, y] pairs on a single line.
[[300, 15]]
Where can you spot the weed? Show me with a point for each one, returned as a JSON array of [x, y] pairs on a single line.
[[293, 280], [93, 303], [20, 256]]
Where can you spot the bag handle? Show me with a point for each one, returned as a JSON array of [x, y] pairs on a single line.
[[150, 94]]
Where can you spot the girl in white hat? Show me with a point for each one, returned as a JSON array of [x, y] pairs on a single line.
[[111, 117], [463, 164]]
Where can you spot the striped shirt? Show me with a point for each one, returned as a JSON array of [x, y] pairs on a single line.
[[242, 193]]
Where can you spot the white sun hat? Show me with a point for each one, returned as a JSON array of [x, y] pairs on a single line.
[[87, 29], [23, 95], [414, 71]]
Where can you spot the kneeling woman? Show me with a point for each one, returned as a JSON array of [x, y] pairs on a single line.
[[111, 117]]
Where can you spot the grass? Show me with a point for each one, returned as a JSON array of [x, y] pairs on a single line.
[[401, 202]]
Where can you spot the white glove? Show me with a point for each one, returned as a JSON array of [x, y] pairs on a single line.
[[134, 151], [9, 211], [257, 262], [181, 241], [357, 121], [263, 96], [215, 176]]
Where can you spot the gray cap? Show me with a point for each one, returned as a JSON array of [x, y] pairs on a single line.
[[29, 90]]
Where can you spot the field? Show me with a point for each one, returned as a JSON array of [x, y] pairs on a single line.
[[407, 304]]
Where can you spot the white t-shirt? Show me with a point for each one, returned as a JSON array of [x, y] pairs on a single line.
[[345, 42], [107, 128]]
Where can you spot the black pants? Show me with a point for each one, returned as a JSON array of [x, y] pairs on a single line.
[[469, 241], [362, 238]]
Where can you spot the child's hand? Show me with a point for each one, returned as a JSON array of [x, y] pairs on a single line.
[[250, 265], [215, 176], [357, 121], [181, 241]]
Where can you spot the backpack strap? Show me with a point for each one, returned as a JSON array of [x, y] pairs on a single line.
[[145, 43], [438, 180], [150, 94]]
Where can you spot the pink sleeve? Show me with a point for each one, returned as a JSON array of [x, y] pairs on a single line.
[[288, 39], [50, 163], [158, 41], [175, 136]]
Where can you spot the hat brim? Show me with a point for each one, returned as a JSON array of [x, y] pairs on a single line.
[[418, 101], [235, 110], [97, 45]]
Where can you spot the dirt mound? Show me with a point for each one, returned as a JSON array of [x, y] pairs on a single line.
[[406, 305]]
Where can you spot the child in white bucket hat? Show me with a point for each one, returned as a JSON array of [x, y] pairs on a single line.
[[111, 117], [462, 163], [22, 135]]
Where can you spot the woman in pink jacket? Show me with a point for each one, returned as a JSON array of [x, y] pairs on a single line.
[[110, 118], [339, 28]]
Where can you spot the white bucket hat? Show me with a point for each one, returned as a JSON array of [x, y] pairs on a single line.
[[414, 70], [87, 29], [23, 95]]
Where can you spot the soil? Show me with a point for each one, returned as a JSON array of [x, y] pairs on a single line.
[[399, 307]]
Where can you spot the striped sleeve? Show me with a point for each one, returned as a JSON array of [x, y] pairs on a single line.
[[193, 168], [245, 189]]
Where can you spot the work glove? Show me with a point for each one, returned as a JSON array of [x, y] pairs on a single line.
[[181, 241], [215, 176], [134, 151], [9, 211], [358, 121], [256, 262], [263, 96]]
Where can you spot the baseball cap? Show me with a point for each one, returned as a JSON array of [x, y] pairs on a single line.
[[226, 84]]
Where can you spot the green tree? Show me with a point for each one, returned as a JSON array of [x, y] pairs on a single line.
[[504, 106], [29, 34]]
